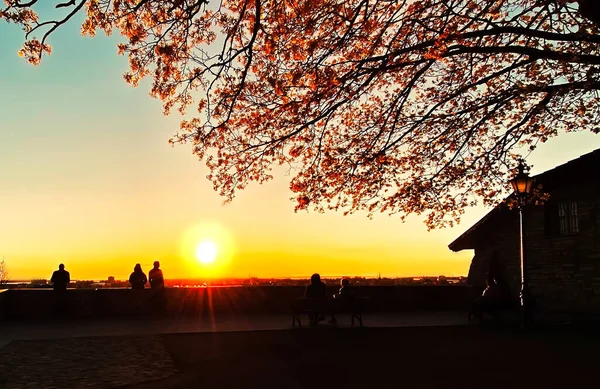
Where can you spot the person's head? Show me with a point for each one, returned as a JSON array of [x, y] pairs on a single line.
[[137, 267], [315, 278], [61, 267], [156, 264], [345, 282]]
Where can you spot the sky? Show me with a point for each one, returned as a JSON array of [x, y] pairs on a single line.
[[88, 179]]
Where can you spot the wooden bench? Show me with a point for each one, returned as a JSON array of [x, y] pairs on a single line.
[[354, 306]]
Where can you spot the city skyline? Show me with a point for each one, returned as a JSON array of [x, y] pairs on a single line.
[[248, 277]]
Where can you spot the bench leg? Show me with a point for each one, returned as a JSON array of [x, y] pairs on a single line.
[[296, 318], [358, 317]]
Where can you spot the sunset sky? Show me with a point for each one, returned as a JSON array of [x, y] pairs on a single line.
[[88, 179]]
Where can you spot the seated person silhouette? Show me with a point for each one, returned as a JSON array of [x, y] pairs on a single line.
[[506, 298], [491, 299], [491, 294], [345, 290], [316, 290], [345, 294], [60, 279], [138, 279]]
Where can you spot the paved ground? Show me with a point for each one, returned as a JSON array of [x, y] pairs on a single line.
[[415, 357], [405, 350], [102, 362], [115, 327], [112, 353]]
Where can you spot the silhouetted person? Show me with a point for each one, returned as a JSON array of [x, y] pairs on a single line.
[[155, 277], [345, 290], [491, 299], [157, 284], [506, 297], [345, 294], [497, 275], [60, 279], [316, 290], [138, 279], [491, 294]]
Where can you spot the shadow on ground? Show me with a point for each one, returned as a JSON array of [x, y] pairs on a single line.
[[433, 357]]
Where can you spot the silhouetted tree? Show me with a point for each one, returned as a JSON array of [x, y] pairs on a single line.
[[395, 106], [3, 272]]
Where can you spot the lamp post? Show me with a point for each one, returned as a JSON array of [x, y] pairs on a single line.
[[522, 185]]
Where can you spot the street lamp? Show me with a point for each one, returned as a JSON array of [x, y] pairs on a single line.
[[522, 185]]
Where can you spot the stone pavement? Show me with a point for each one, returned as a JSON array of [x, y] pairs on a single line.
[[102, 362], [150, 326], [462, 357], [114, 353], [425, 350]]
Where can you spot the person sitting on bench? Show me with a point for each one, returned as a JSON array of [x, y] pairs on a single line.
[[316, 290], [345, 294], [491, 299]]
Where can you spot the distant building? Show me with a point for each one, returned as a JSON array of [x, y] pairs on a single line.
[[562, 240], [39, 282], [111, 279]]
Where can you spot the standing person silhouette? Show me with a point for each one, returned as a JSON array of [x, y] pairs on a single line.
[[60, 279], [138, 279], [157, 284], [156, 278]]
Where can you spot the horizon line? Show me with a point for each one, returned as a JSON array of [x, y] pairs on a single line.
[[249, 277]]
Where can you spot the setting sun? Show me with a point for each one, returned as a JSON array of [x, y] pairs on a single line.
[[206, 252], [207, 249]]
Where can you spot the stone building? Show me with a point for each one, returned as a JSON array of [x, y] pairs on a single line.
[[562, 241]]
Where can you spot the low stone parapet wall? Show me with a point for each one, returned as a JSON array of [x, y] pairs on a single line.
[[25, 304]]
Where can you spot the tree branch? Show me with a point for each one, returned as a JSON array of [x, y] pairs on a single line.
[[527, 51], [67, 4]]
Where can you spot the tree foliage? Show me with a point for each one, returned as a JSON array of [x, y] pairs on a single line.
[[397, 106]]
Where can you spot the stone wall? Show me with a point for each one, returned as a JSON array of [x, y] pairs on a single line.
[[564, 270], [500, 237], [40, 304], [3, 303]]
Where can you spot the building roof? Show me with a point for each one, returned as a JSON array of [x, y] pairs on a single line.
[[570, 169]]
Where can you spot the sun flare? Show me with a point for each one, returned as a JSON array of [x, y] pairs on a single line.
[[206, 252], [207, 249]]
